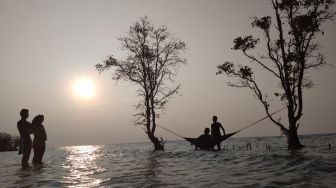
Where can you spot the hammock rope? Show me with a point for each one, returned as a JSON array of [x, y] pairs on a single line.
[[230, 133]]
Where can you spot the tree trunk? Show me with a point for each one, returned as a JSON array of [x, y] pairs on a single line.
[[158, 145], [293, 138]]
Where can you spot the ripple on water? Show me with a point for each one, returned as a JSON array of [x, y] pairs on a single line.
[[136, 165]]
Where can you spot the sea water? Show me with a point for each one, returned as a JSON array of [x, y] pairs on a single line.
[[136, 165]]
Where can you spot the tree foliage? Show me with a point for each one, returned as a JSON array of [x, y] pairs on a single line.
[[8, 142], [153, 58], [292, 49]]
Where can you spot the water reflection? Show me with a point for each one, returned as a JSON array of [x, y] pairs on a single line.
[[27, 177], [152, 170], [81, 166]]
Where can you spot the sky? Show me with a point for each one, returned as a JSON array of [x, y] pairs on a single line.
[[47, 46]]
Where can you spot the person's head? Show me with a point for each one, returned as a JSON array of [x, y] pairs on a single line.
[[24, 113], [214, 118], [38, 120], [206, 131]]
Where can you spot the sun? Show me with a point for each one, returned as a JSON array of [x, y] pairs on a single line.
[[84, 88]]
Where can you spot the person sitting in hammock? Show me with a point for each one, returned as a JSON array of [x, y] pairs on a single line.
[[204, 142]]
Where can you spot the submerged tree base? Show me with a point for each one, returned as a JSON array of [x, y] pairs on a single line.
[[293, 140], [296, 146], [158, 144], [158, 147]]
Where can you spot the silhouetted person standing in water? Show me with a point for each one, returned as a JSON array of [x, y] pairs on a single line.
[[215, 131], [40, 136], [24, 128], [205, 140]]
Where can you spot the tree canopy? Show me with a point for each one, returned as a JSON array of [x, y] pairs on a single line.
[[153, 58], [292, 49]]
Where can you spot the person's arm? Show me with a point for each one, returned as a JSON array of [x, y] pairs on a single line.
[[211, 132], [19, 128], [31, 129], [222, 128], [44, 133]]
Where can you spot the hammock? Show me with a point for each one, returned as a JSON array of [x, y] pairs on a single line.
[[194, 141]]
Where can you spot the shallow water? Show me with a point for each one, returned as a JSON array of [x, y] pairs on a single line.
[[136, 165]]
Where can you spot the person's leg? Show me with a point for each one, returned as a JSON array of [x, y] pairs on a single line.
[[25, 157], [38, 153], [35, 157], [217, 139], [219, 146], [41, 153]]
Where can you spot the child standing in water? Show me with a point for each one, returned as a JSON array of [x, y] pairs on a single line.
[[40, 136]]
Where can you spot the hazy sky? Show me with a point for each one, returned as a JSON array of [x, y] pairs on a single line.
[[48, 45]]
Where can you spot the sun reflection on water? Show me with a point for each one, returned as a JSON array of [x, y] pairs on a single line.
[[81, 165]]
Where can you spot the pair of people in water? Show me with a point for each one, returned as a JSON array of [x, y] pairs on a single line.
[[207, 141], [26, 144]]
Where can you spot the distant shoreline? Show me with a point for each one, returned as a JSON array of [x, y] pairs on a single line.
[[146, 142], [14, 149]]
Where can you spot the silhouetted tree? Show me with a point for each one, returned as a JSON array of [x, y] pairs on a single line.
[[153, 57], [8, 142], [292, 49]]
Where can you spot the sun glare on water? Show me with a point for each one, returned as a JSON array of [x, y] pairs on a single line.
[[84, 88]]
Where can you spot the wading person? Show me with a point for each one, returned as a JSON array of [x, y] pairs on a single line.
[[40, 136], [204, 141], [215, 131], [24, 128]]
